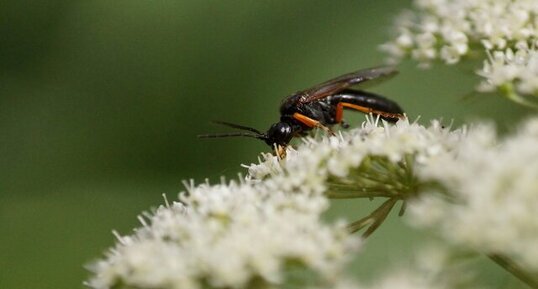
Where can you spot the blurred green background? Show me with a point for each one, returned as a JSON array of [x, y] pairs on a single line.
[[101, 102]]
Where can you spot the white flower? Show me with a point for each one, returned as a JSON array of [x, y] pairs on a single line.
[[308, 167], [447, 30], [489, 195], [506, 68], [228, 236], [450, 27]]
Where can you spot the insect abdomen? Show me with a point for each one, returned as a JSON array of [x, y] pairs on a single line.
[[368, 100]]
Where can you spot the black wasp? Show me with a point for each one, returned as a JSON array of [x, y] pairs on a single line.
[[322, 106]]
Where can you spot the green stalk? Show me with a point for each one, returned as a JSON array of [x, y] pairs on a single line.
[[374, 220], [511, 94], [510, 266]]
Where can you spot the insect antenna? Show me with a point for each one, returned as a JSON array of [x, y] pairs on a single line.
[[238, 126], [231, 134], [252, 132]]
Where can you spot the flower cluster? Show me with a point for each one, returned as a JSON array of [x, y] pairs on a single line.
[[253, 233], [487, 194], [317, 161], [447, 30], [515, 73], [450, 29], [479, 191], [265, 231], [229, 236]]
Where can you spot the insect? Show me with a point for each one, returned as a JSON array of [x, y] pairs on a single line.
[[322, 106]]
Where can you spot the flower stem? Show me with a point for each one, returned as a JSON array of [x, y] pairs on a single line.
[[510, 266], [511, 94], [374, 220]]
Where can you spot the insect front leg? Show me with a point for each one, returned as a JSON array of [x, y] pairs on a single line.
[[311, 122], [280, 151]]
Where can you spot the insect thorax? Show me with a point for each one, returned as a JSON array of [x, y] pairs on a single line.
[[290, 104]]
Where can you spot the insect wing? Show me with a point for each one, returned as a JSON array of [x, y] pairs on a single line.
[[369, 77]]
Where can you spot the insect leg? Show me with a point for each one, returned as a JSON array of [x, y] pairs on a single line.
[[311, 122], [340, 111], [280, 151]]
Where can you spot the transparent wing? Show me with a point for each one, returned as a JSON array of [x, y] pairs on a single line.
[[362, 78]]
